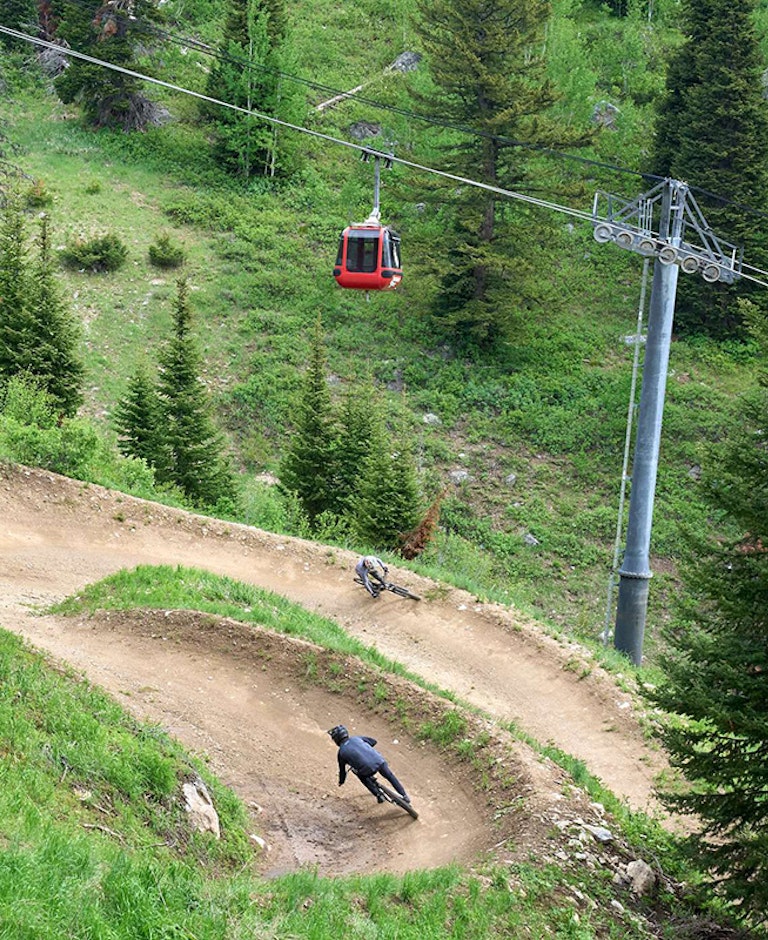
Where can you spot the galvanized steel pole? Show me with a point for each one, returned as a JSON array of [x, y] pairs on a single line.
[[635, 572]]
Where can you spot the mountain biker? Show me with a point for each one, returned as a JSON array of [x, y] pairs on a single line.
[[358, 752], [369, 567]]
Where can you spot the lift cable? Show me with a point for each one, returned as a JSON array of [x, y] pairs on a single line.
[[531, 200], [583, 215], [205, 49]]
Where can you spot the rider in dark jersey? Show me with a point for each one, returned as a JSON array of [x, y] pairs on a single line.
[[358, 753]]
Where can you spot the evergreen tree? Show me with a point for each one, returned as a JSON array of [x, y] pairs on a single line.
[[387, 505], [308, 465], [139, 421], [54, 334], [20, 15], [712, 132], [106, 31], [38, 336], [16, 328], [247, 74], [716, 675], [485, 60], [196, 449], [354, 443]]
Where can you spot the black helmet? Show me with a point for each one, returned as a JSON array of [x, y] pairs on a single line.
[[339, 734]]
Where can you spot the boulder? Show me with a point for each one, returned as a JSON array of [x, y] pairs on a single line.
[[200, 809], [642, 879]]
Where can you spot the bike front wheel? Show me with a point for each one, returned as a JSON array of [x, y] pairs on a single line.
[[402, 592], [399, 801]]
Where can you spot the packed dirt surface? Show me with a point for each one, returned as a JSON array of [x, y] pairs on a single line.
[[263, 727]]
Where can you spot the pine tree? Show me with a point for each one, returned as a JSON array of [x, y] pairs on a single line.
[[387, 505], [712, 132], [140, 423], [247, 74], [38, 335], [354, 443], [196, 449], [308, 465], [716, 674], [16, 327], [20, 15], [54, 358], [106, 31], [489, 75]]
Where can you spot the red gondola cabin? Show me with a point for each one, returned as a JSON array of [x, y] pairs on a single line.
[[368, 258]]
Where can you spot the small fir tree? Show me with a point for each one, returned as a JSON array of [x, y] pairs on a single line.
[[16, 327], [197, 464], [308, 465], [38, 335], [354, 443], [387, 504], [140, 423], [55, 334]]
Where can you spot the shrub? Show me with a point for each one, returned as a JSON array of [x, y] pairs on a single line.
[[98, 254], [31, 433], [130, 473], [68, 449], [166, 254], [38, 196], [23, 400], [215, 212]]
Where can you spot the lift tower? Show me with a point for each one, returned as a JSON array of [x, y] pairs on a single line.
[[667, 225]]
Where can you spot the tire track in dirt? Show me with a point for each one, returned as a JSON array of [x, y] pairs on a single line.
[[58, 535], [262, 732]]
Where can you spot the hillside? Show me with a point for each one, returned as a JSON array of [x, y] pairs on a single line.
[[522, 433], [527, 437]]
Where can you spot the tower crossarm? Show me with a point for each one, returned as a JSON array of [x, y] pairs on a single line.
[[675, 232]]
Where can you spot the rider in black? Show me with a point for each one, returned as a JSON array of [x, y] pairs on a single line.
[[358, 752]]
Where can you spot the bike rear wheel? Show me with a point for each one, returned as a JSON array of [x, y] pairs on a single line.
[[398, 800]]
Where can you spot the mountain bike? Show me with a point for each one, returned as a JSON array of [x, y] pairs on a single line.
[[389, 586], [390, 796]]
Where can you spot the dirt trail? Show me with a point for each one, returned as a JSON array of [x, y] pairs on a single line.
[[58, 535]]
